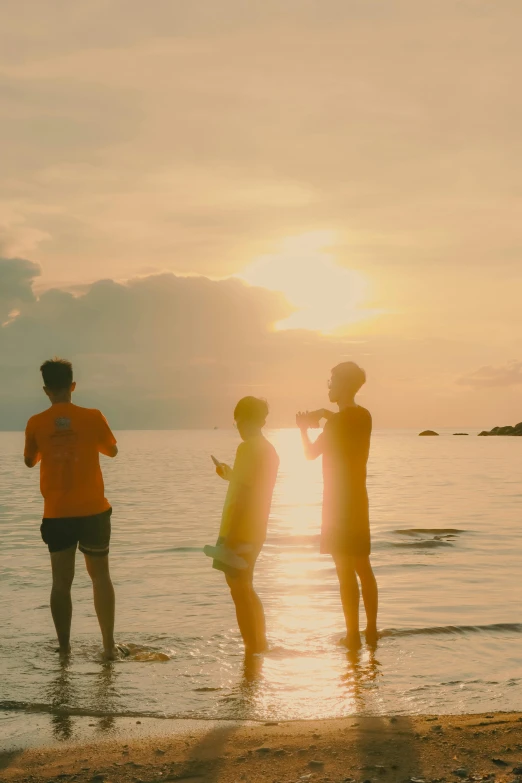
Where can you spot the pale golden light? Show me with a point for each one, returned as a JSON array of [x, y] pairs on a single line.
[[326, 296]]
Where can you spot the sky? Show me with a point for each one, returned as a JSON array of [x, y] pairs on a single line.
[[204, 200]]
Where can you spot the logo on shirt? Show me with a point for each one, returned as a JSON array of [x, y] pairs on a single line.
[[62, 423]]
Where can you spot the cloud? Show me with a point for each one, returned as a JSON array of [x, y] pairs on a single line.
[[165, 351], [16, 279], [161, 351], [486, 377]]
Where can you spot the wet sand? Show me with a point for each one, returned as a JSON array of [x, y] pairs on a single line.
[[394, 750]]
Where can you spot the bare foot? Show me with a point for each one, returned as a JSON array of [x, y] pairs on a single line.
[[372, 636], [116, 653], [352, 640], [262, 647], [64, 652]]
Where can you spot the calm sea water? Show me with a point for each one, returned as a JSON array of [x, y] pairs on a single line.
[[447, 551]]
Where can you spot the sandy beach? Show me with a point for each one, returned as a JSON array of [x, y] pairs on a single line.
[[424, 748]]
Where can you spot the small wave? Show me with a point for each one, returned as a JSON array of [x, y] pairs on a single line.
[[431, 531], [430, 543], [53, 709], [142, 653], [454, 630], [39, 708]]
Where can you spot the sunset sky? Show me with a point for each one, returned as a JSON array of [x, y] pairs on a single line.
[[272, 187]]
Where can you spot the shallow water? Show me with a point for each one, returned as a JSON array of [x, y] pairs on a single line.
[[447, 538]]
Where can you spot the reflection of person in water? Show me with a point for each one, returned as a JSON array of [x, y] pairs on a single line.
[[61, 693], [245, 516], [106, 698], [360, 675], [345, 533], [249, 688]]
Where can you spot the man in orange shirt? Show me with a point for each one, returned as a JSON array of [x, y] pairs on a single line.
[[68, 440]]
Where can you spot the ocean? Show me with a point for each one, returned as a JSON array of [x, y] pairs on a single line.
[[447, 552]]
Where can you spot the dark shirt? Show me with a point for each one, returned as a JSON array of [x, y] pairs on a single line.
[[345, 447]]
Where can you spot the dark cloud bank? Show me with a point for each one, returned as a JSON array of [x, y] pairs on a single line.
[[157, 352]]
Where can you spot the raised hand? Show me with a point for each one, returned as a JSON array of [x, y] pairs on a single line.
[[301, 419], [307, 419], [224, 471], [314, 417]]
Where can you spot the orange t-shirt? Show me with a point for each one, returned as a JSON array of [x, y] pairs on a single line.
[[68, 440]]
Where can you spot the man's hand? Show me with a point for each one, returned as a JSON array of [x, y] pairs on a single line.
[[301, 420], [309, 419], [224, 471]]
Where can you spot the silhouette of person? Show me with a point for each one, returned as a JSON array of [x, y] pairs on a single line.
[[245, 516], [68, 440], [345, 532]]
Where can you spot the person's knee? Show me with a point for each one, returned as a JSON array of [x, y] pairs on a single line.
[[102, 581], [363, 568], [98, 570], [347, 575], [62, 583], [62, 566], [239, 588]]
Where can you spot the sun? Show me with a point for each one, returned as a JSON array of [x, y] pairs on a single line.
[[325, 295]]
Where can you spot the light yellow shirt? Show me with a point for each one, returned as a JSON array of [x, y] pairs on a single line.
[[252, 483]]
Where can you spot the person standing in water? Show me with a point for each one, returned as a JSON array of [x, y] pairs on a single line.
[[245, 516], [345, 532], [68, 440]]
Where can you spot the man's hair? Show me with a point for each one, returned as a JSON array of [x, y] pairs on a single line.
[[251, 409], [351, 376], [57, 374]]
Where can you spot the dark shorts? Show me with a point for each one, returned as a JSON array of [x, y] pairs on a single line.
[[91, 534], [353, 541], [250, 557]]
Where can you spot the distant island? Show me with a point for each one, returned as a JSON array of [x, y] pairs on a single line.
[[516, 430], [508, 430]]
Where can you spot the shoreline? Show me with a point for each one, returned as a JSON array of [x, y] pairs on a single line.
[[395, 749]]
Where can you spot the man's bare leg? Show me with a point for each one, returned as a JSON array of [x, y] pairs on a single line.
[[104, 601], [370, 594], [62, 564], [261, 640], [349, 588], [242, 592]]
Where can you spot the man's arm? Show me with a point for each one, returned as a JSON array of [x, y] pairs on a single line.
[[316, 416], [314, 449], [106, 440], [31, 454]]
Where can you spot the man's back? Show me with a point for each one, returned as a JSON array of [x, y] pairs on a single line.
[[68, 439], [345, 456]]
